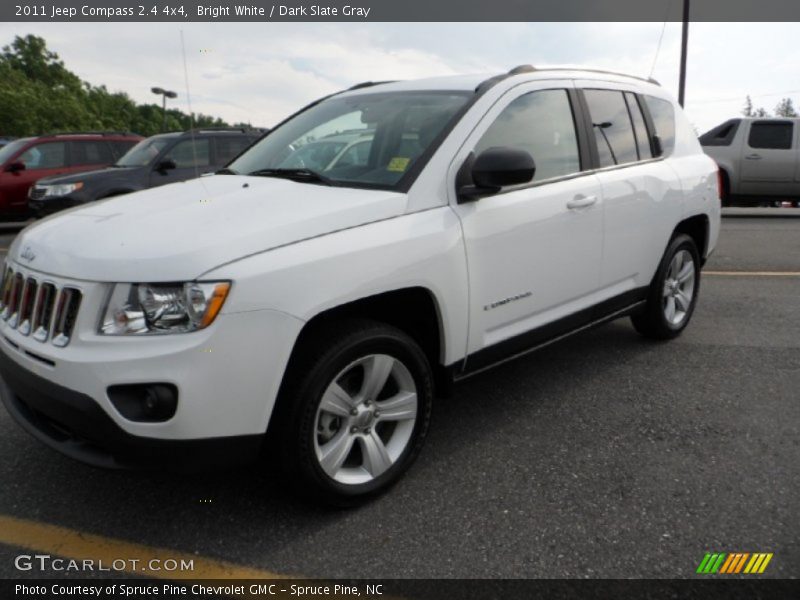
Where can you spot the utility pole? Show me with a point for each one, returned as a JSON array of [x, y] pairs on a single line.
[[684, 46]]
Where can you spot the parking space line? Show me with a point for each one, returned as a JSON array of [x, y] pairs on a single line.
[[753, 273], [79, 546]]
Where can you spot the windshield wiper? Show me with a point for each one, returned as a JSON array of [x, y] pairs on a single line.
[[296, 175], [226, 171]]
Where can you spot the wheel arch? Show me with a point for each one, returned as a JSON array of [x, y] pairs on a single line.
[[696, 227], [413, 310]]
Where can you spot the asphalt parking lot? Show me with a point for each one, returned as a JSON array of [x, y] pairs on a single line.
[[602, 456]]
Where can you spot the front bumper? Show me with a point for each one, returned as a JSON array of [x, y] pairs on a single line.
[[75, 425], [227, 378]]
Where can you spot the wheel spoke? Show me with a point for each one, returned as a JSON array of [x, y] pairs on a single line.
[[669, 310], [675, 266], [401, 407], [376, 457], [336, 451], [682, 300], [376, 371], [336, 401], [686, 272]]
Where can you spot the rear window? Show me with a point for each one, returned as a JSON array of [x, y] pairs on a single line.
[[663, 116], [86, 152], [721, 135], [613, 130], [229, 147], [770, 134]]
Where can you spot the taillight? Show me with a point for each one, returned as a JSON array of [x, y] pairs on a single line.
[[720, 185]]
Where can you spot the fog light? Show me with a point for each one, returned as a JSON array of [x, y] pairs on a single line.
[[145, 402]]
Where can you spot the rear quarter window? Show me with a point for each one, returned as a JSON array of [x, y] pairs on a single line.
[[663, 115], [721, 135]]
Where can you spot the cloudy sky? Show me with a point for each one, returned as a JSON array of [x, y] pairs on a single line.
[[261, 72]]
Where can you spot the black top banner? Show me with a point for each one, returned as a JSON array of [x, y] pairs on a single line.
[[402, 10]]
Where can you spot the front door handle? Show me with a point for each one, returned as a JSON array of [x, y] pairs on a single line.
[[753, 157], [581, 201]]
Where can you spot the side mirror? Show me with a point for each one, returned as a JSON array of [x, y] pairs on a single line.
[[15, 167], [492, 170], [166, 165]]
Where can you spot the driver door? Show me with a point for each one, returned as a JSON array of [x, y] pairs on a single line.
[[534, 250]]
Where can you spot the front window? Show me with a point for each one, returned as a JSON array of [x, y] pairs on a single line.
[[143, 153], [11, 149], [388, 132]]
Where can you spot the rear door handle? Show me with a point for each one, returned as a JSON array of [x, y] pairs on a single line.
[[581, 201], [753, 157]]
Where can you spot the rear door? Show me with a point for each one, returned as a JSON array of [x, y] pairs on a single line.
[[769, 158], [86, 155], [641, 194]]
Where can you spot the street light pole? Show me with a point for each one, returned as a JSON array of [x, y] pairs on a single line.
[[164, 95], [684, 47]]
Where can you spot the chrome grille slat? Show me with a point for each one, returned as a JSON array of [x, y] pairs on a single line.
[[16, 296], [42, 308], [43, 313], [27, 305]]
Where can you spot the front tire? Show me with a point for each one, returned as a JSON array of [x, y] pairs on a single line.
[[356, 411], [673, 292]]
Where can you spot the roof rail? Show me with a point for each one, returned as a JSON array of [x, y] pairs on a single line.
[[530, 69], [89, 133], [206, 129], [366, 84]]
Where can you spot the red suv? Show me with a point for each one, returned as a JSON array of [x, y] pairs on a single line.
[[26, 160]]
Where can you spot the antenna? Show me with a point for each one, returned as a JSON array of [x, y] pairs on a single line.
[[660, 39], [189, 103]]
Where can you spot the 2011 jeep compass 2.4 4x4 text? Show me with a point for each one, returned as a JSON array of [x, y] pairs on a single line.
[[325, 303]]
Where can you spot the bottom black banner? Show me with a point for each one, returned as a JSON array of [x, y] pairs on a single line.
[[409, 589]]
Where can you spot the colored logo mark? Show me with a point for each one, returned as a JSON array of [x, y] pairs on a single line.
[[734, 562]]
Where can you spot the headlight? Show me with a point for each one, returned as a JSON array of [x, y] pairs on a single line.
[[61, 189], [152, 308]]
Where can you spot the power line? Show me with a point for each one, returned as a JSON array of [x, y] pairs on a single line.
[[740, 98]]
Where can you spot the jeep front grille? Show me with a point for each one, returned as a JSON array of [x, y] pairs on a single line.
[[41, 308]]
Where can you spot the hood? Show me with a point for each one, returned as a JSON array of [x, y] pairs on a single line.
[[180, 231], [91, 176]]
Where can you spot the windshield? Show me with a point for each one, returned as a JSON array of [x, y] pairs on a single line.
[[12, 148], [369, 140], [143, 153]]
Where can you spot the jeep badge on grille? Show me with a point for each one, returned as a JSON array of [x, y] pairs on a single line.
[[28, 254]]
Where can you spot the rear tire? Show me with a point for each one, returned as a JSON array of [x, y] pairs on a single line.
[[673, 292], [354, 412]]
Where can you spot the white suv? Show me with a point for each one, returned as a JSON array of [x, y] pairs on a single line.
[[327, 309]]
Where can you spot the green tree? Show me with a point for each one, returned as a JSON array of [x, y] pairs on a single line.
[[785, 108], [749, 111], [38, 94]]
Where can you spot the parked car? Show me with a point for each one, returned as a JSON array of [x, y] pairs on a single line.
[[158, 160], [5, 140], [318, 314], [26, 160], [759, 160]]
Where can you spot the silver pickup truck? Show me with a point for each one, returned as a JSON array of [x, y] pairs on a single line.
[[758, 159]]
